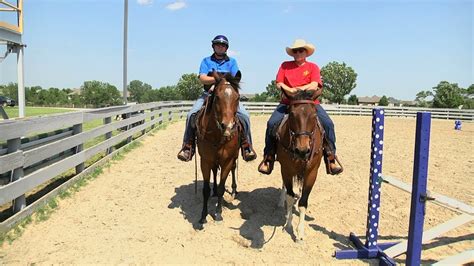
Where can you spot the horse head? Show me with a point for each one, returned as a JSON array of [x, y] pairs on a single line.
[[302, 124], [225, 100]]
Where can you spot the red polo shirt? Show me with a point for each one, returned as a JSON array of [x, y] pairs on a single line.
[[293, 75]]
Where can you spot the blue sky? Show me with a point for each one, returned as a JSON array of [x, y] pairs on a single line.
[[398, 48]]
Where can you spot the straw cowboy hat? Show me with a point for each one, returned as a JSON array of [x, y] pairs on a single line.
[[300, 43]]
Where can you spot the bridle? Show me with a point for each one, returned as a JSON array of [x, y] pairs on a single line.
[[216, 120], [294, 135]]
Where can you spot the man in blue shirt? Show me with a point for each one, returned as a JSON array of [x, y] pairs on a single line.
[[219, 62]]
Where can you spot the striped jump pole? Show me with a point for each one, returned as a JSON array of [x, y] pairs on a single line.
[[372, 249]]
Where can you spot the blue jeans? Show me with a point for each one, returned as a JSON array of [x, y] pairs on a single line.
[[277, 116], [242, 114]]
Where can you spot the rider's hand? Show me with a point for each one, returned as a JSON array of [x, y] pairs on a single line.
[[292, 91]]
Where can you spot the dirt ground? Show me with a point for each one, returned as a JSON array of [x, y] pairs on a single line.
[[142, 209]]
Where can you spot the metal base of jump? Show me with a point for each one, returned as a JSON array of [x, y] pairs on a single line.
[[362, 252]]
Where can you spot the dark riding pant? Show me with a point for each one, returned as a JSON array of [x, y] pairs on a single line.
[[277, 117], [242, 114]]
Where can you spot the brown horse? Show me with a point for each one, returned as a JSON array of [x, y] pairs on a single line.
[[299, 152], [218, 139]]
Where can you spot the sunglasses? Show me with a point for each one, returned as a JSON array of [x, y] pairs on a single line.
[[298, 50]]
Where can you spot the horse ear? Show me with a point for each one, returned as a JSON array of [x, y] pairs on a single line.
[[238, 76]]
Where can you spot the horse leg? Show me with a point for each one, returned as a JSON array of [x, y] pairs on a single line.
[[281, 202], [206, 191], [290, 200], [220, 191], [214, 187], [234, 183], [303, 204]]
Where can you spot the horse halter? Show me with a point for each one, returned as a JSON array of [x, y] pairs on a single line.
[[294, 135]]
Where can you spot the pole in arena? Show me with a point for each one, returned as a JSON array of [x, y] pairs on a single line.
[[372, 249]]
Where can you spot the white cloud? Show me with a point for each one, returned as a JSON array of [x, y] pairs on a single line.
[[176, 5], [232, 53], [145, 2]]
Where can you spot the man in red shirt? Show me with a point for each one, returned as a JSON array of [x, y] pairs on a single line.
[[292, 77]]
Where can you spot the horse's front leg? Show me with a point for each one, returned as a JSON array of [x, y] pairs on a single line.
[[225, 169], [214, 186], [290, 199], [206, 190], [303, 203], [281, 202], [234, 182]]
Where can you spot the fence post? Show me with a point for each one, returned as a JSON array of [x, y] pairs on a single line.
[[129, 126], [108, 135], [76, 129], [152, 118], [19, 203]]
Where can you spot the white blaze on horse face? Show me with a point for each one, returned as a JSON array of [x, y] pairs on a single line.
[[228, 92]]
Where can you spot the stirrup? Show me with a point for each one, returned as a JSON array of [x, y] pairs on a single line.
[[248, 154], [332, 159], [266, 166], [186, 153]]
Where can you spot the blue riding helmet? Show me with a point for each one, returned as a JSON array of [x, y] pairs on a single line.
[[220, 39]]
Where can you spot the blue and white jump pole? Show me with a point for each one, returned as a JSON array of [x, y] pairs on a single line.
[[372, 249]]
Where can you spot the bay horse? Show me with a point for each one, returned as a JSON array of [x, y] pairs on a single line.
[[299, 151], [218, 139]]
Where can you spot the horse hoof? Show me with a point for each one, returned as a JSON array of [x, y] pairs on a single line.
[[199, 227], [299, 241], [202, 221], [218, 217]]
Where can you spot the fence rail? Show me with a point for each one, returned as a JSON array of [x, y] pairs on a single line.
[[38, 149], [455, 114]]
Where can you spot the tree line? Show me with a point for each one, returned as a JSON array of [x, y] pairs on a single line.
[[339, 80]]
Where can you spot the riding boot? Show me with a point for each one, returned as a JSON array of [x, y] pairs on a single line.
[[187, 151], [266, 166], [330, 160], [248, 154]]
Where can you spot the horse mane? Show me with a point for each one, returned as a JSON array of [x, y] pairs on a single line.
[[234, 81], [303, 95]]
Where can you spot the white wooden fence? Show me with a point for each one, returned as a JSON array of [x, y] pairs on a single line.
[[29, 161]]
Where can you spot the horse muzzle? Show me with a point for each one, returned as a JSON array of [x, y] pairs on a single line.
[[302, 153]]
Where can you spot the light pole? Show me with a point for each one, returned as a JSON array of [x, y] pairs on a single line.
[[125, 33]]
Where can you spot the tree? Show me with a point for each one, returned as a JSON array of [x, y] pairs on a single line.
[[383, 101], [189, 87], [421, 100], [339, 80], [10, 90], [447, 95], [272, 94], [167, 93], [138, 90], [468, 98], [99, 94], [32, 95], [353, 100]]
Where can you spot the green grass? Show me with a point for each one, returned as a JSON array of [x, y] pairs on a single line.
[[12, 112]]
